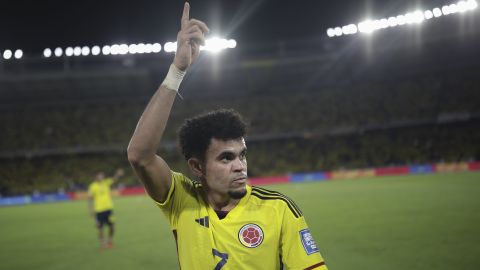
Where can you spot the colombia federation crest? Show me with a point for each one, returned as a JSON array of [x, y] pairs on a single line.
[[250, 235]]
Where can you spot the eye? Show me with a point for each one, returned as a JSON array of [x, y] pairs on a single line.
[[227, 157]]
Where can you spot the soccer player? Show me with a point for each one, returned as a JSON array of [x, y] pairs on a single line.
[[100, 205], [218, 220]]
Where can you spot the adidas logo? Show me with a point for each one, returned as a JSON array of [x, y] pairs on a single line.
[[202, 221]]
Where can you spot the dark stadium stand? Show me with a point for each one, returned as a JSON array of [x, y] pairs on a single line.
[[311, 110]]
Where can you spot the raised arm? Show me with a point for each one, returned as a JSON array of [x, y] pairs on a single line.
[[118, 174], [152, 170]]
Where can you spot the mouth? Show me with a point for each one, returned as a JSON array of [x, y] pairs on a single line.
[[240, 180]]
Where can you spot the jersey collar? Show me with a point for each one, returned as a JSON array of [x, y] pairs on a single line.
[[235, 212]]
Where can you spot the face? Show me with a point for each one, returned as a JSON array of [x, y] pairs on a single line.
[[225, 169], [99, 176]]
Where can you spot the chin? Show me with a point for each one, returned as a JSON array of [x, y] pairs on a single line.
[[237, 194]]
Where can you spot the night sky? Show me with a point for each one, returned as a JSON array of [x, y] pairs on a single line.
[[35, 25]]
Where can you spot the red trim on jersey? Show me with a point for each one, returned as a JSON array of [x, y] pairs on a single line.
[[315, 266]]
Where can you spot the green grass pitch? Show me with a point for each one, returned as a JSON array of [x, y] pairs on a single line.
[[408, 222]]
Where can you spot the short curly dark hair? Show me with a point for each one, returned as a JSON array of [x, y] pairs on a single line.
[[196, 132]]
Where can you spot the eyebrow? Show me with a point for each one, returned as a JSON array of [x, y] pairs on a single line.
[[228, 152]]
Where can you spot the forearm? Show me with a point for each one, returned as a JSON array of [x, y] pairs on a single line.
[[151, 126]]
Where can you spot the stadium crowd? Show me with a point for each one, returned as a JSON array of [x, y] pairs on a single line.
[[423, 119]]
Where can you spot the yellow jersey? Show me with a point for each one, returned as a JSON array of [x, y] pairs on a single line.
[[265, 230], [100, 192]]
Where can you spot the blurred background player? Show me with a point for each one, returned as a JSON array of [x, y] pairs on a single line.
[[100, 205]]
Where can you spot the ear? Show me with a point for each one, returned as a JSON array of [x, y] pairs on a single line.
[[195, 166]]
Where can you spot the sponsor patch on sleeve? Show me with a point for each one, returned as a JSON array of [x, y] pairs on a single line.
[[307, 241]]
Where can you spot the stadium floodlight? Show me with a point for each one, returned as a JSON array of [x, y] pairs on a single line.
[[122, 49], [428, 14], [141, 48], [338, 31], [77, 51], [392, 21], [7, 54], [85, 50], [366, 27], [69, 51], [156, 48], [232, 43], [383, 23], [170, 47], [437, 12], [115, 49], [58, 52], [349, 29], [148, 48], [417, 16], [462, 6], [18, 54], [95, 50], [330, 32], [472, 4], [218, 44], [214, 45], [453, 8], [106, 50], [401, 20], [409, 18], [132, 48], [47, 53], [446, 10]]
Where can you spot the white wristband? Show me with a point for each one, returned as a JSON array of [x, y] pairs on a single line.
[[174, 78]]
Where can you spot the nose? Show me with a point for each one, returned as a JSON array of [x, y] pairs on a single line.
[[240, 165]]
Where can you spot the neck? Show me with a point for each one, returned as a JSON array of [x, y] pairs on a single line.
[[220, 202]]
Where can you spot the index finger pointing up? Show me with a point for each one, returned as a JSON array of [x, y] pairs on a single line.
[[185, 15]]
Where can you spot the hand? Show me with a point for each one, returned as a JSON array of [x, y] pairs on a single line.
[[189, 39], [119, 173]]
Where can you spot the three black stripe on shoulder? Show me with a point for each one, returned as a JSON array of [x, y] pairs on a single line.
[[266, 194]]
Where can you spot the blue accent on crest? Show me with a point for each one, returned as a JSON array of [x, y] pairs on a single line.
[[307, 241]]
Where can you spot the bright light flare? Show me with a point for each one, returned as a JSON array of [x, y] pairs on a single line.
[[416, 17], [214, 45], [472, 4]]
